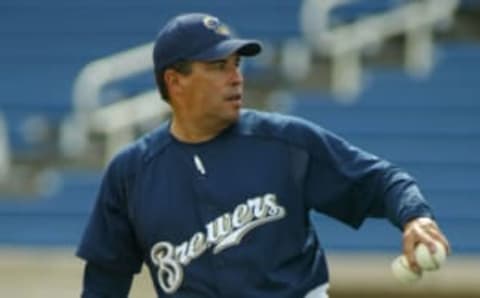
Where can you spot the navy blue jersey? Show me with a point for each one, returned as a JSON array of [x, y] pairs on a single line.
[[230, 217]]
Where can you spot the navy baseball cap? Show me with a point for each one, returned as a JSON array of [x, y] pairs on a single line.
[[198, 37]]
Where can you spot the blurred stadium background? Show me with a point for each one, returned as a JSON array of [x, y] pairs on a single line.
[[399, 78]]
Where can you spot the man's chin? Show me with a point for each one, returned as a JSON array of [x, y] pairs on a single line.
[[232, 116]]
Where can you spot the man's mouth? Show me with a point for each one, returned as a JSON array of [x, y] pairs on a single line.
[[235, 97]]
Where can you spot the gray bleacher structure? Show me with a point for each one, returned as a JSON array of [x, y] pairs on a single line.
[[431, 127], [44, 46]]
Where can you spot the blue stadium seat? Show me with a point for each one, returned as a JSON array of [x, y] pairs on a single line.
[[445, 176], [54, 219], [377, 236], [378, 120], [148, 16], [420, 148], [470, 4], [353, 10], [27, 125], [451, 205], [41, 229]]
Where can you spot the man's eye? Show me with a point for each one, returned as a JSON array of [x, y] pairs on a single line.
[[220, 64]]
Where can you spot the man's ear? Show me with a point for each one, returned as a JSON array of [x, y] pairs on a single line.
[[172, 81]]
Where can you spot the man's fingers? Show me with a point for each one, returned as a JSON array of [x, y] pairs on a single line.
[[422, 230], [437, 235], [415, 235], [409, 243]]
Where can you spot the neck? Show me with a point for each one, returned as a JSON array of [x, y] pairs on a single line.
[[189, 131]]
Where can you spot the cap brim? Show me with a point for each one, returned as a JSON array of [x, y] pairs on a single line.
[[243, 47]]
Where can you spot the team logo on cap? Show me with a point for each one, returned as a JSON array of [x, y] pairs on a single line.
[[215, 25]]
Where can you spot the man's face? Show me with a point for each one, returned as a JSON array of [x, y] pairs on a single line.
[[214, 89]]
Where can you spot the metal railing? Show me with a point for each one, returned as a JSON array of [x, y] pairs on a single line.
[[345, 43], [5, 155], [115, 121]]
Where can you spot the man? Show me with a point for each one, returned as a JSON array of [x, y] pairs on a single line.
[[216, 200]]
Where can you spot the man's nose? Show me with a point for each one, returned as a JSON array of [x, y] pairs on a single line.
[[236, 77]]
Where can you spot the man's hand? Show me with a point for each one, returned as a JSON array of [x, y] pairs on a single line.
[[421, 230]]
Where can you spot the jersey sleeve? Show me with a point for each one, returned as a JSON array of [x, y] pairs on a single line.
[[109, 239], [98, 282], [350, 184]]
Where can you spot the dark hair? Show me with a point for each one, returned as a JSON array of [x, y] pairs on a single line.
[[182, 66]]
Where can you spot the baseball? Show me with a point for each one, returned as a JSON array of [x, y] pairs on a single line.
[[428, 261], [402, 271]]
